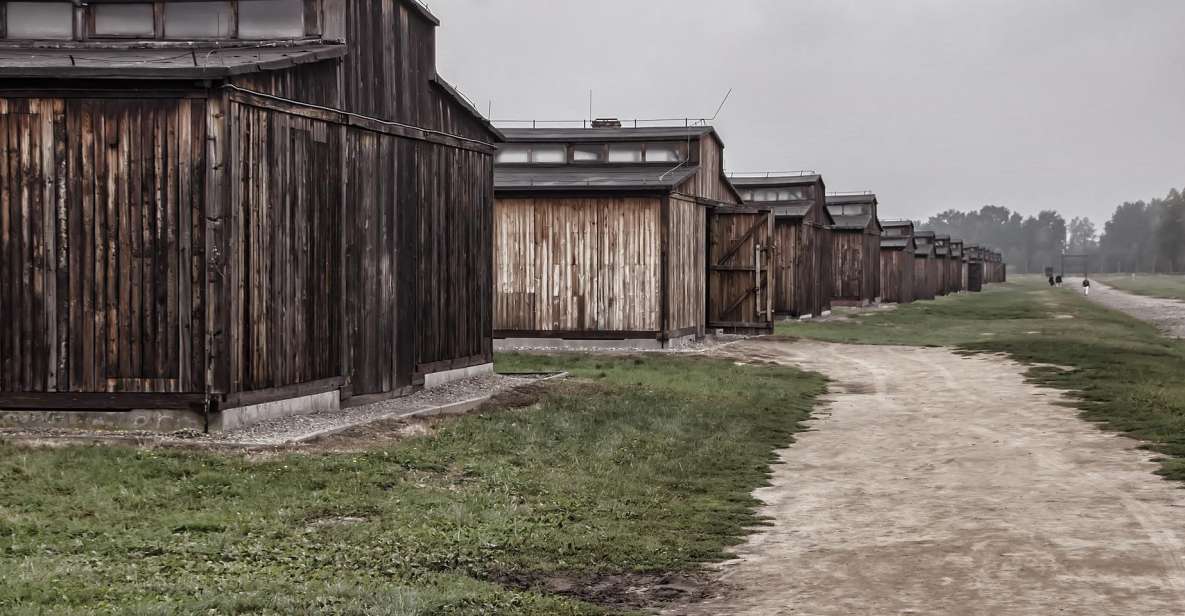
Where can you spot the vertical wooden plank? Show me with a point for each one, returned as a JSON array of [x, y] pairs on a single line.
[[217, 368], [62, 303], [183, 294], [8, 288], [28, 213]]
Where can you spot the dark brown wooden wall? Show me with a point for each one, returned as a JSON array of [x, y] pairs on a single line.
[[354, 253], [803, 251], [856, 270], [739, 298], [285, 250], [923, 285], [450, 191], [897, 276], [101, 243]]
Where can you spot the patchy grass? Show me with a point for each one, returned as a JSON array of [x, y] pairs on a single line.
[[636, 466], [1126, 375], [1152, 285]]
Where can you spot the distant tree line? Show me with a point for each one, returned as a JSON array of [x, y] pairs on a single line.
[[1140, 237]]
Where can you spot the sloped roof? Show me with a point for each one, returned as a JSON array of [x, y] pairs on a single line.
[[598, 178], [775, 181], [897, 243], [199, 62], [600, 135], [854, 199], [792, 211]]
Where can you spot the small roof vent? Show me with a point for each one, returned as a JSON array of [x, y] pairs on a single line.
[[606, 123]]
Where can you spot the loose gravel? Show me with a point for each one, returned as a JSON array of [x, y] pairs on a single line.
[[298, 428], [1166, 314]]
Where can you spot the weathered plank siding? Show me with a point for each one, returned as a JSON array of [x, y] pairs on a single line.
[[740, 262], [285, 249], [802, 265], [572, 266], [101, 216], [686, 263], [897, 275], [923, 268], [857, 269], [709, 182]]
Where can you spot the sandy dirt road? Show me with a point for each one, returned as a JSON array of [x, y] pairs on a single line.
[[938, 484], [1167, 314]]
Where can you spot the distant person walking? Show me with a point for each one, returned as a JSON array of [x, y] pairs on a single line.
[[1059, 282], [1086, 287], [1051, 283]]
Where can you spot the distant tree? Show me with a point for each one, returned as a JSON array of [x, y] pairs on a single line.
[[1170, 233], [1083, 236], [1125, 241]]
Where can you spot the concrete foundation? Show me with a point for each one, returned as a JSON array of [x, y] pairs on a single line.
[[232, 419], [436, 379], [143, 420], [561, 344]]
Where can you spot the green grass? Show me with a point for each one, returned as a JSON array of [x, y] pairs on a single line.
[[1153, 285], [1126, 375], [637, 465]]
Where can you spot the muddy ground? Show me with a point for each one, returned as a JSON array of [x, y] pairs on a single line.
[[933, 483], [1167, 314]]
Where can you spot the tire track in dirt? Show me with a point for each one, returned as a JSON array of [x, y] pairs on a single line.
[[934, 483]]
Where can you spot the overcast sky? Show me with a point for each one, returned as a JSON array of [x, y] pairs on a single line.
[[1075, 105]]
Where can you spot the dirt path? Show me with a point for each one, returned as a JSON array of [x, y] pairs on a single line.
[[1167, 314], [945, 485]]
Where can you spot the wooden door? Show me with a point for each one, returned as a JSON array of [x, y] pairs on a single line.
[[740, 270]]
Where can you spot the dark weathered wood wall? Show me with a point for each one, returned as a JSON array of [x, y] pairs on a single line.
[[101, 244], [709, 182], [802, 262], [399, 227], [923, 278], [897, 275], [856, 269], [740, 266]]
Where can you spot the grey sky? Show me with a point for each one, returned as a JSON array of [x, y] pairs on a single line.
[[1075, 105]]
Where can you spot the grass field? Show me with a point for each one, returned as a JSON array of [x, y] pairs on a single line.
[[635, 466], [1126, 375], [1152, 285]]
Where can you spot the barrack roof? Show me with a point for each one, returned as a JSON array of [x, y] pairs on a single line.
[[774, 181], [595, 135], [599, 178], [896, 243], [200, 61]]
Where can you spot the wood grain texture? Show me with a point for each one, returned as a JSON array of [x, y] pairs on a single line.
[[90, 229], [897, 275], [577, 264]]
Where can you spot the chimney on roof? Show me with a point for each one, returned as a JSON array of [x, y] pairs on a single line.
[[606, 123]]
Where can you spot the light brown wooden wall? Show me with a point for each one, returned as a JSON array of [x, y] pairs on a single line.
[[577, 265], [686, 282]]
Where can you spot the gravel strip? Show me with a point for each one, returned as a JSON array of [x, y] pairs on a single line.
[[291, 429], [287, 430], [1166, 314]]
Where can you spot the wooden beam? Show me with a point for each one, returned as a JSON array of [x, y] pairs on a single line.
[[99, 401]]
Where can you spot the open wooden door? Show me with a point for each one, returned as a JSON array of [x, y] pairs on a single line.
[[740, 270]]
